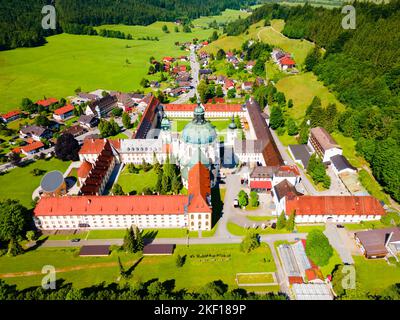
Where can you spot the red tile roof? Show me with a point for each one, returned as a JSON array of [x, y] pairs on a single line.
[[10, 114], [92, 146], [218, 107], [63, 110], [33, 146], [199, 188], [254, 184], [287, 61], [84, 169], [334, 205], [111, 205], [47, 102]]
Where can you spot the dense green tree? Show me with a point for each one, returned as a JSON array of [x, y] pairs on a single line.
[[318, 248], [281, 222], [220, 54], [126, 120], [67, 147], [14, 221], [276, 119], [219, 92], [254, 199], [129, 243], [290, 224], [243, 198], [292, 127], [117, 190], [250, 242], [312, 58]]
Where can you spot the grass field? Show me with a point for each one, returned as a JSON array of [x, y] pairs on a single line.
[[225, 17], [19, 183], [333, 261], [301, 89], [272, 35], [375, 275], [349, 151], [365, 225], [261, 218], [136, 182], [190, 276], [237, 230], [372, 186], [67, 62], [255, 278]]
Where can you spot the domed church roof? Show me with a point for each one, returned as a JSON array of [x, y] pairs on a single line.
[[199, 130]]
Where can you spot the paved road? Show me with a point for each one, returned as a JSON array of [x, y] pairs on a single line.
[[271, 238], [336, 240], [233, 187], [194, 69]]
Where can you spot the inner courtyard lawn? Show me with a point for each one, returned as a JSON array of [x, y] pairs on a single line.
[[191, 276], [136, 182], [19, 183], [221, 125], [69, 61]]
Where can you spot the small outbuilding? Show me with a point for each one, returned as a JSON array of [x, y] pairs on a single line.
[[158, 249]]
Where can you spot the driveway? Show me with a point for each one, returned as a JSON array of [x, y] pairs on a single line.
[[337, 240]]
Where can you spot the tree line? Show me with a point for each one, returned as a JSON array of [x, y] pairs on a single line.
[[20, 25]]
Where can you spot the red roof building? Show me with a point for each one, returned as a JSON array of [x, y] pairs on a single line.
[[11, 115], [217, 107], [287, 62], [334, 205], [84, 169], [47, 102], [63, 110], [32, 148], [261, 185]]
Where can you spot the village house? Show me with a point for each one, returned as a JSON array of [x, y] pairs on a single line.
[[379, 243], [35, 132], [247, 86], [102, 107], [47, 102], [64, 113], [76, 130], [32, 148], [88, 121], [250, 65], [11, 116], [341, 165], [321, 142], [229, 84], [83, 97], [281, 192]]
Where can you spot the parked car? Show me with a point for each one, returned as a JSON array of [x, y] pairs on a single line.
[[236, 203], [75, 240], [340, 226]]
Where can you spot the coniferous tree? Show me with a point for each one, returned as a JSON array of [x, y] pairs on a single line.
[[290, 224], [281, 222]]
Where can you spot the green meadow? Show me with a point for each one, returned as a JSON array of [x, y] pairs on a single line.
[[227, 16], [68, 61], [19, 183]]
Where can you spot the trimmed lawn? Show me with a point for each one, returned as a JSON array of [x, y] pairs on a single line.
[[365, 225], [136, 182], [119, 136], [69, 61], [349, 151], [333, 261], [261, 218], [193, 276], [19, 183], [372, 186], [302, 88], [237, 230], [255, 278], [190, 276], [306, 229], [120, 233], [285, 139], [375, 275], [178, 125]]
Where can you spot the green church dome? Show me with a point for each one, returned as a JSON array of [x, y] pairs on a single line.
[[199, 131], [165, 125]]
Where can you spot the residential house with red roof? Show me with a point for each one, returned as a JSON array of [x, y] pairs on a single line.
[[10, 116], [64, 113], [47, 102], [32, 148]]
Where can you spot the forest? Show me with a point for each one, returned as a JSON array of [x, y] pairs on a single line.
[[20, 24], [362, 68]]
